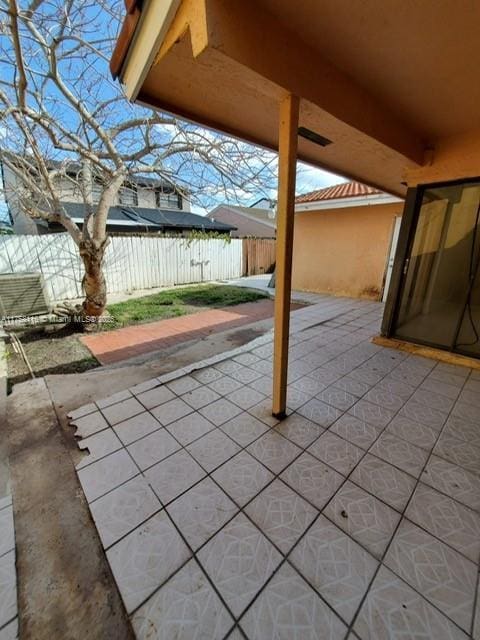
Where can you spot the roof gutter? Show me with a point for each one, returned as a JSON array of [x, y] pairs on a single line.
[[140, 38]]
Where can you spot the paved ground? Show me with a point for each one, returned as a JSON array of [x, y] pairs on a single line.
[[357, 516], [120, 344]]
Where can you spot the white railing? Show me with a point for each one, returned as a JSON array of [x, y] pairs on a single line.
[[131, 263]]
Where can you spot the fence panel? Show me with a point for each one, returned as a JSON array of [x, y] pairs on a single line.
[[258, 256], [131, 262]]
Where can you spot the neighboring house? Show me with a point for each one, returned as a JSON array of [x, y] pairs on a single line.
[[258, 222], [343, 240], [143, 205]]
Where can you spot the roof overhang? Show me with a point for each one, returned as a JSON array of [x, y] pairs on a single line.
[[227, 64]]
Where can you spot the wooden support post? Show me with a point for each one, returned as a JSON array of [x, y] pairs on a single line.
[[287, 160]]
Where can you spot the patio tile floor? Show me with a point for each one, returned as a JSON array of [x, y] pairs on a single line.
[[356, 517]]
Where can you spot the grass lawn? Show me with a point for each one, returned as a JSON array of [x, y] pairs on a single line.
[[178, 302]]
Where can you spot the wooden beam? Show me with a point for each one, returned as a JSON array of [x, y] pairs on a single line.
[[287, 160]]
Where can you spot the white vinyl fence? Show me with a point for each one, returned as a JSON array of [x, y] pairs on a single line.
[[130, 262]]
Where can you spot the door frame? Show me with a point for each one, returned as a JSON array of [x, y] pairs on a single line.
[[408, 227], [397, 222]]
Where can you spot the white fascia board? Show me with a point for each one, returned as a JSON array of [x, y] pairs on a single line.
[[155, 20], [340, 203]]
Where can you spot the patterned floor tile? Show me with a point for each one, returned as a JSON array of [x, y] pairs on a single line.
[[371, 413], [418, 434], [116, 397], [137, 427], [263, 411], [8, 588], [314, 480], [335, 565], [274, 451], [308, 385], [183, 385], [225, 385], [337, 397], [442, 388], [220, 411], [423, 415], [289, 609], [207, 375], [355, 387], [174, 475], [337, 452], [244, 428], [366, 376], [10, 630], [470, 396], [242, 477], [459, 452], [463, 429], [123, 509], [171, 411], [299, 430], [440, 574], [445, 518], [384, 481], [153, 448], [122, 410], [448, 378], [395, 611], [239, 560], [296, 398], [106, 474], [356, 431], [147, 557], [320, 412], [434, 400], [384, 398], [263, 385], [89, 424], [362, 516], [248, 359], [400, 453], [189, 428], [185, 607], [7, 531], [245, 397], [281, 514], [146, 385], [401, 389], [201, 511], [245, 375], [200, 397], [454, 481], [213, 449], [154, 397], [82, 411], [325, 375]]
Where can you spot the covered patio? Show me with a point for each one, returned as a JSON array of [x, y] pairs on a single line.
[[357, 516], [368, 94]]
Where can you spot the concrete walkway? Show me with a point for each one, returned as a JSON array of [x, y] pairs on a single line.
[[356, 517], [129, 342]]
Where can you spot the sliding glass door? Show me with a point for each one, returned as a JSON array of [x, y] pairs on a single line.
[[439, 298]]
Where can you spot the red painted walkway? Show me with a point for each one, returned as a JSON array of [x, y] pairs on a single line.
[[113, 346]]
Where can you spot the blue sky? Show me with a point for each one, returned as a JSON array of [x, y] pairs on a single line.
[[89, 78]]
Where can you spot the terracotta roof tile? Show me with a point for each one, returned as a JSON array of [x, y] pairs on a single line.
[[344, 190]]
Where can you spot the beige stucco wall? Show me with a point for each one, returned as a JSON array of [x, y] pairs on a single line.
[[343, 251]]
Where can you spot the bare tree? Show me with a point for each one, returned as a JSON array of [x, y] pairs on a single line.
[[63, 119]]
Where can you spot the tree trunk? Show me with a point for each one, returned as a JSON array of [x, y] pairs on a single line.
[[93, 283]]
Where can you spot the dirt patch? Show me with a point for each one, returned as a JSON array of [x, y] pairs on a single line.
[[48, 353]]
